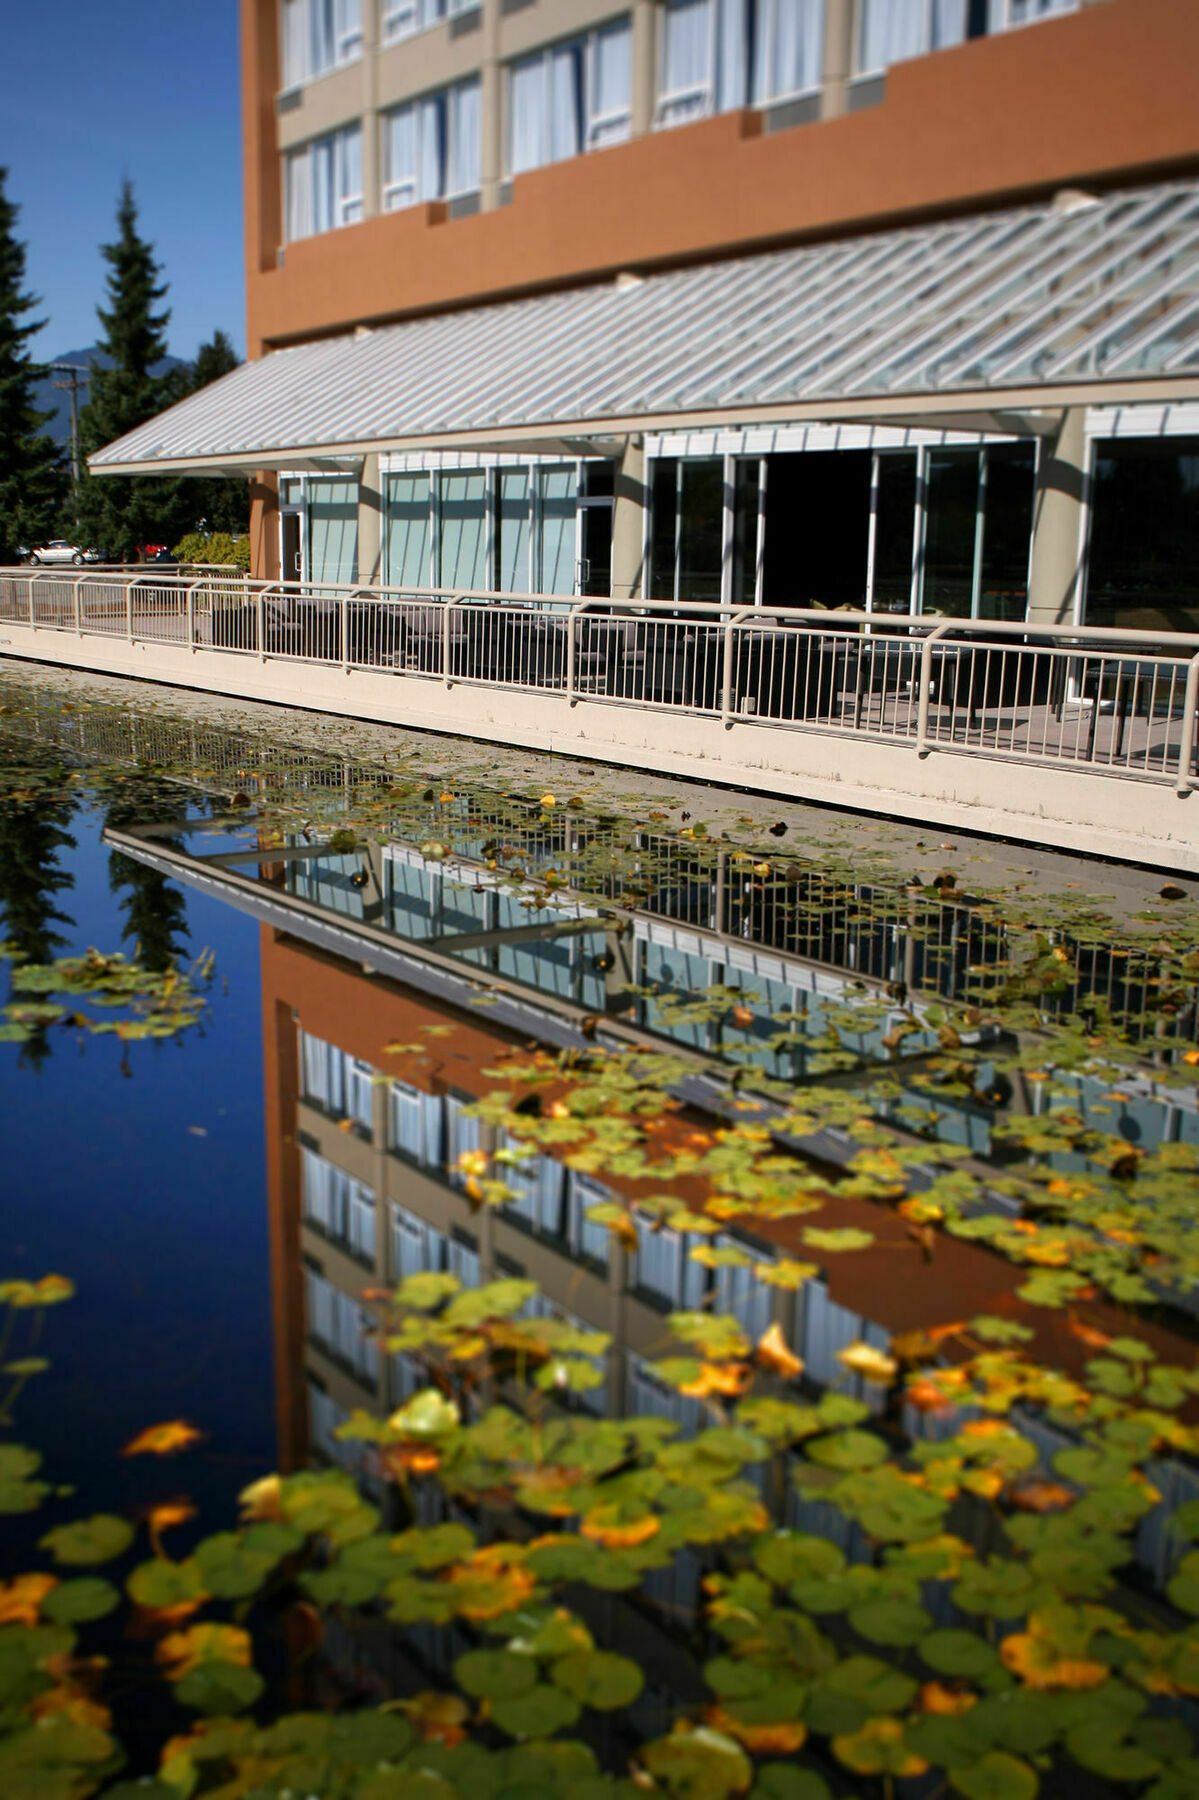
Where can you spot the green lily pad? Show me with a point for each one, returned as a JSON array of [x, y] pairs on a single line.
[[599, 1678], [874, 1684], [784, 1781], [74, 1602], [218, 1688], [997, 1776], [161, 1583], [538, 1713], [94, 1540], [894, 1622], [960, 1653], [231, 1570], [1103, 1753], [495, 1674], [847, 1450], [698, 1765]]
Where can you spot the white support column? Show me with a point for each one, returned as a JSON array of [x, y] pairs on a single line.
[[370, 514], [838, 57], [645, 66], [491, 105], [628, 523], [1055, 570]]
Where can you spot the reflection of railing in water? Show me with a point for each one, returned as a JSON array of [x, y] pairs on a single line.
[[1051, 696]]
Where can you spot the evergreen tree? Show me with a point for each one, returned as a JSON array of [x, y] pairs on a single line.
[[120, 512], [32, 468], [154, 908], [223, 504], [35, 810]]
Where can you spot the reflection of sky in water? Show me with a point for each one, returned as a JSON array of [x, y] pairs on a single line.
[[164, 1231]]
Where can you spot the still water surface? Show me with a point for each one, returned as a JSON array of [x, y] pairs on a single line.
[[384, 952]]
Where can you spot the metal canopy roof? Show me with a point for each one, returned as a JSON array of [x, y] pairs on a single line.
[[1071, 301]]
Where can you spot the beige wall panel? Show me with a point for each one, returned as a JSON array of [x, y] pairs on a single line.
[[333, 100], [346, 1273], [432, 59], [548, 20]]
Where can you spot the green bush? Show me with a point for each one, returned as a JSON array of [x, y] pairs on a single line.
[[220, 548]]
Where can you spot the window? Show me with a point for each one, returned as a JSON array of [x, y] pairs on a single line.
[[891, 31], [416, 1124], [1004, 14], [1144, 528], [569, 98], [342, 1208], [323, 184], [401, 18], [319, 35], [721, 54], [340, 1325], [431, 147], [340, 1084]]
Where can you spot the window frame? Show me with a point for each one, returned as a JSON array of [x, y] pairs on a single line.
[[448, 103], [348, 206], [340, 33], [595, 128]]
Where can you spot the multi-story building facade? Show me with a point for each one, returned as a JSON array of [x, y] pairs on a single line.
[[882, 303]]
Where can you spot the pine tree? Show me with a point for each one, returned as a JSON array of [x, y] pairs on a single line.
[[223, 504], [120, 512], [32, 468], [154, 908]]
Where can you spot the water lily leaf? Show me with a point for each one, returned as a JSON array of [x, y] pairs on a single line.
[[879, 1747], [787, 1556], [74, 1602], [539, 1712], [996, 1776], [231, 1570], [893, 1622], [1103, 1753], [1017, 1720], [874, 1684], [495, 1674], [159, 1584], [953, 1652], [218, 1688], [94, 1540], [426, 1291], [784, 1781], [698, 1765], [847, 1237], [847, 1450], [599, 1678]]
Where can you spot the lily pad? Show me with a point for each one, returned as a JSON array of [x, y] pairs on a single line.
[[74, 1602], [538, 1713], [961, 1653], [599, 1678], [95, 1540], [996, 1776], [495, 1674]]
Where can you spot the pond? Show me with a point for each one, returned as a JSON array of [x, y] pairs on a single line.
[[519, 1281]]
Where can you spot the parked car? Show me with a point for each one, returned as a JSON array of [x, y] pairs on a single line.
[[60, 550]]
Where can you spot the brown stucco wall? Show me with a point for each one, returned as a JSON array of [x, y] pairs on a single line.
[[1105, 95]]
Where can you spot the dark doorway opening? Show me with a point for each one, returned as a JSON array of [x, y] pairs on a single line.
[[817, 529]]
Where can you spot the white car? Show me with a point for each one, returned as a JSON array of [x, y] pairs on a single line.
[[58, 550]]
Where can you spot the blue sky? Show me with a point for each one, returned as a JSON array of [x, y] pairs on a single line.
[[144, 88]]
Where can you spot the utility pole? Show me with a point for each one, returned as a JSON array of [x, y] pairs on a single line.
[[77, 375]]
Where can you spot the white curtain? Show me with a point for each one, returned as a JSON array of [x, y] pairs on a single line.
[[1004, 13], [349, 29], [565, 133], [789, 53], [731, 54], [890, 31], [526, 109], [295, 63], [556, 559], [466, 139], [320, 36], [948, 23], [349, 175], [299, 195], [512, 560], [611, 84], [408, 530], [463, 506], [324, 184], [430, 149], [686, 60], [333, 530]]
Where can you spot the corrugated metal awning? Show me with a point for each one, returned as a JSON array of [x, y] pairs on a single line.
[[1075, 301]]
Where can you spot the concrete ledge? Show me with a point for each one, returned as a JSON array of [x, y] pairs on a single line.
[[1092, 811]]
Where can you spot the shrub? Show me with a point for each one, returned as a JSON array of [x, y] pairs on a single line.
[[220, 549]]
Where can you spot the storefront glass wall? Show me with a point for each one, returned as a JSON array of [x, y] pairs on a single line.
[[1143, 571]]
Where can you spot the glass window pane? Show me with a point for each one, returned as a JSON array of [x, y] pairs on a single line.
[[951, 512], [408, 530], [556, 559], [463, 529], [686, 60], [1143, 571], [701, 529], [513, 531], [294, 62], [431, 185], [789, 52], [611, 83], [526, 115], [333, 530], [664, 484], [894, 524], [1007, 531], [817, 528], [399, 158], [462, 174], [745, 532], [566, 102], [890, 31]]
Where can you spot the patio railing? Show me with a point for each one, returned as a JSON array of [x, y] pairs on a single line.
[[1105, 700]]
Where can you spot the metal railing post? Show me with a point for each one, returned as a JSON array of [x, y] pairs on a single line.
[[259, 621], [129, 586], [726, 681], [32, 620], [79, 580], [189, 608], [926, 665], [344, 610], [578, 607], [448, 604], [1190, 707]]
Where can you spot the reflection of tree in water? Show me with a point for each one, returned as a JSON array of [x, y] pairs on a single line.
[[155, 910], [35, 809]]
